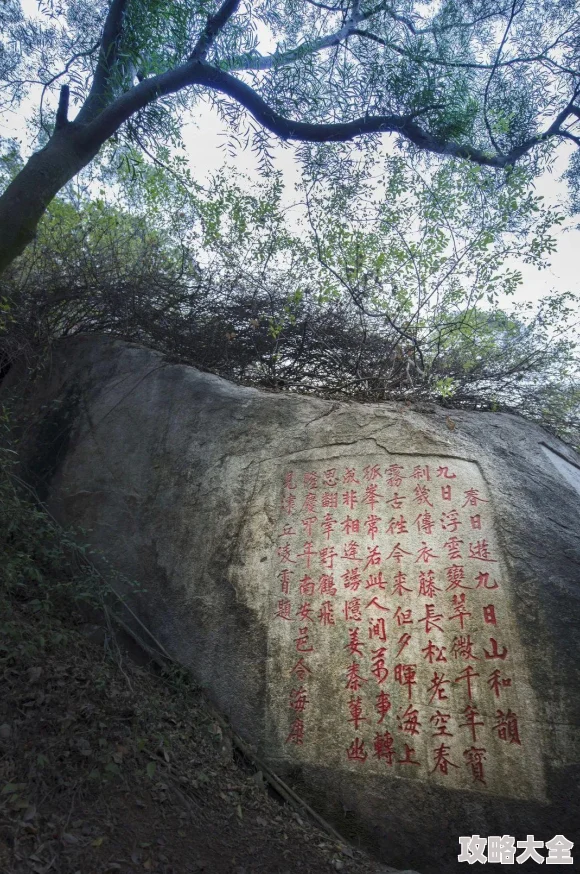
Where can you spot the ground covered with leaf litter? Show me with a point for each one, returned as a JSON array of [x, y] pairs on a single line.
[[107, 765]]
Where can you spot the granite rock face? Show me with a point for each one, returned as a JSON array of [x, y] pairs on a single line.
[[384, 601]]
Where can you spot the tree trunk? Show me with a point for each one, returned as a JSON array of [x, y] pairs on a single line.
[[26, 198]]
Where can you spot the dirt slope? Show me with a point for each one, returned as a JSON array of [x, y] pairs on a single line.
[[106, 765]]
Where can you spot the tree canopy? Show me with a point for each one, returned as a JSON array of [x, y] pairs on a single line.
[[396, 287], [490, 81]]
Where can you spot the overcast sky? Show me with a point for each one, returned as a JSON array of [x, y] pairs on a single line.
[[206, 141]]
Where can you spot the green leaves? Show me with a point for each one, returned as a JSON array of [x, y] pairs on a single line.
[[12, 788], [371, 280], [469, 75]]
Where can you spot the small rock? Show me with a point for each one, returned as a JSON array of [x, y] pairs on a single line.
[[226, 749], [5, 731], [258, 779]]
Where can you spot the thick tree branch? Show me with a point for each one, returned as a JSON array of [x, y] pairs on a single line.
[[555, 128], [198, 73], [112, 31], [112, 100], [214, 25], [62, 111]]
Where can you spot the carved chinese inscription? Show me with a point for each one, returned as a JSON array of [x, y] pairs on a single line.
[[391, 644]]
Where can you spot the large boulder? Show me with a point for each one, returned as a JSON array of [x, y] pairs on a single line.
[[384, 600]]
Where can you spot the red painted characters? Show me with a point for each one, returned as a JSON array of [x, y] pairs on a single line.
[[388, 589]]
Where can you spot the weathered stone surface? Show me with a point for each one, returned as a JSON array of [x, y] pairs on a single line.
[[414, 675]]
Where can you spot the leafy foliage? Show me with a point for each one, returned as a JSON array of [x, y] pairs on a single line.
[[394, 288], [484, 79], [492, 82], [41, 564]]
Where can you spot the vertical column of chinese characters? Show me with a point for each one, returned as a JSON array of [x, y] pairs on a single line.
[[376, 601], [463, 648], [439, 518], [288, 561], [496, 654], [329, 559], [325, 584], [399, 556], [354, 645], [377, 612], [437, 500]]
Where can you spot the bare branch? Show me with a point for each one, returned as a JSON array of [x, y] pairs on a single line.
[[62, 73], [356, 297]]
